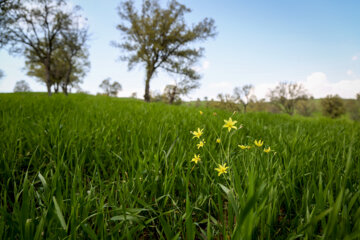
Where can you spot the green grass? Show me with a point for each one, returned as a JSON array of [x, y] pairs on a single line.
[[85, 167]]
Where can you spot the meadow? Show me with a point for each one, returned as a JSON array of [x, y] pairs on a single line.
[[96, 167]]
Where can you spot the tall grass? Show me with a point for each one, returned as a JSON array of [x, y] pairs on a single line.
[[105, 168]]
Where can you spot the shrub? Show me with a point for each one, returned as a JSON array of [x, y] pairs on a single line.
[[332, 106]]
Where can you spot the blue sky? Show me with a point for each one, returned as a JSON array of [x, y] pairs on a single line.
[[316, 43]]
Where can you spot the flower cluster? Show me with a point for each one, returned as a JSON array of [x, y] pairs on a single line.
[[258, 143], [229, 125]]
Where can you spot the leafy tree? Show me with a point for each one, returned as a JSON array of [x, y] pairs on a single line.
[[159, 38], [305, 107], [183, 87], [75, 54], [332, 106], [22, 86], [243, 95], [36, 28], [110, 89], [285, 96], [69, 63], [7, 11]]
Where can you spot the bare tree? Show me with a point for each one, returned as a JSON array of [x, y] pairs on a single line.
[[285, 95], [243, 95]]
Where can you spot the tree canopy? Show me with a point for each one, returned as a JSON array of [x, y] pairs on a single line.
[[159, 38], [110, 89], [41, 30]]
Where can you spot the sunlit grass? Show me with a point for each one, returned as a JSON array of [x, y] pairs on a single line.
[[105, 168]]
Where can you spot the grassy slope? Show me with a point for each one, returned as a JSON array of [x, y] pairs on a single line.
[[86, 167]]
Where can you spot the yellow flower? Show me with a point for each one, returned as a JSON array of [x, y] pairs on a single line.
[[218, 140], [244, 147], [221, 169], [201, 113], [196, 159], [230, 124], [200, 144], [198, 133], [259, 143], [267, 150]]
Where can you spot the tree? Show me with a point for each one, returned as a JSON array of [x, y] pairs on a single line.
[[7, 10], [69, 62], [243, 95], [285, 96], [110, 89], [159, 38], [75, 54], [332, 106], [183, 87], [22, 86], [36, 28], [305, 107]]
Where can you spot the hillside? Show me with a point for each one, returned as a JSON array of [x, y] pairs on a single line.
[[95, 167]]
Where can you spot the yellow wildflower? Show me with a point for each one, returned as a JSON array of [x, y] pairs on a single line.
[[200, 144], [221, 169], [267, 150], [259, 143], [244, 147], [201, 113], [196, 159], [218, 140], [198, 133], [230, 124]]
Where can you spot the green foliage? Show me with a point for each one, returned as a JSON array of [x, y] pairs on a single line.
[[305, 107], [22, 86], [353, 108], [50, 39], [285, 96], [86, 167], [332, 106], [110, 89], [159, 38]]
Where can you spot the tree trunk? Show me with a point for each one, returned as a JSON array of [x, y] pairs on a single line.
[[48, 84], [149, 73], [172, 95], [67, 81], [48, 89], [56, 88], [48, 80], [64, 89]]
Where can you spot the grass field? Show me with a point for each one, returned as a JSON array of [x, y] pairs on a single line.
[[86, 167]]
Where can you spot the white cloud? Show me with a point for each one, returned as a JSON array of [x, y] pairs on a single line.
[[319, 86], [354, 58]]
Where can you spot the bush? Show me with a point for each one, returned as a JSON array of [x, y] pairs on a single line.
[[305, 107], [332, 106]]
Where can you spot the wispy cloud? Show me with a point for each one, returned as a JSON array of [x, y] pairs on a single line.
[[354, 58]]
